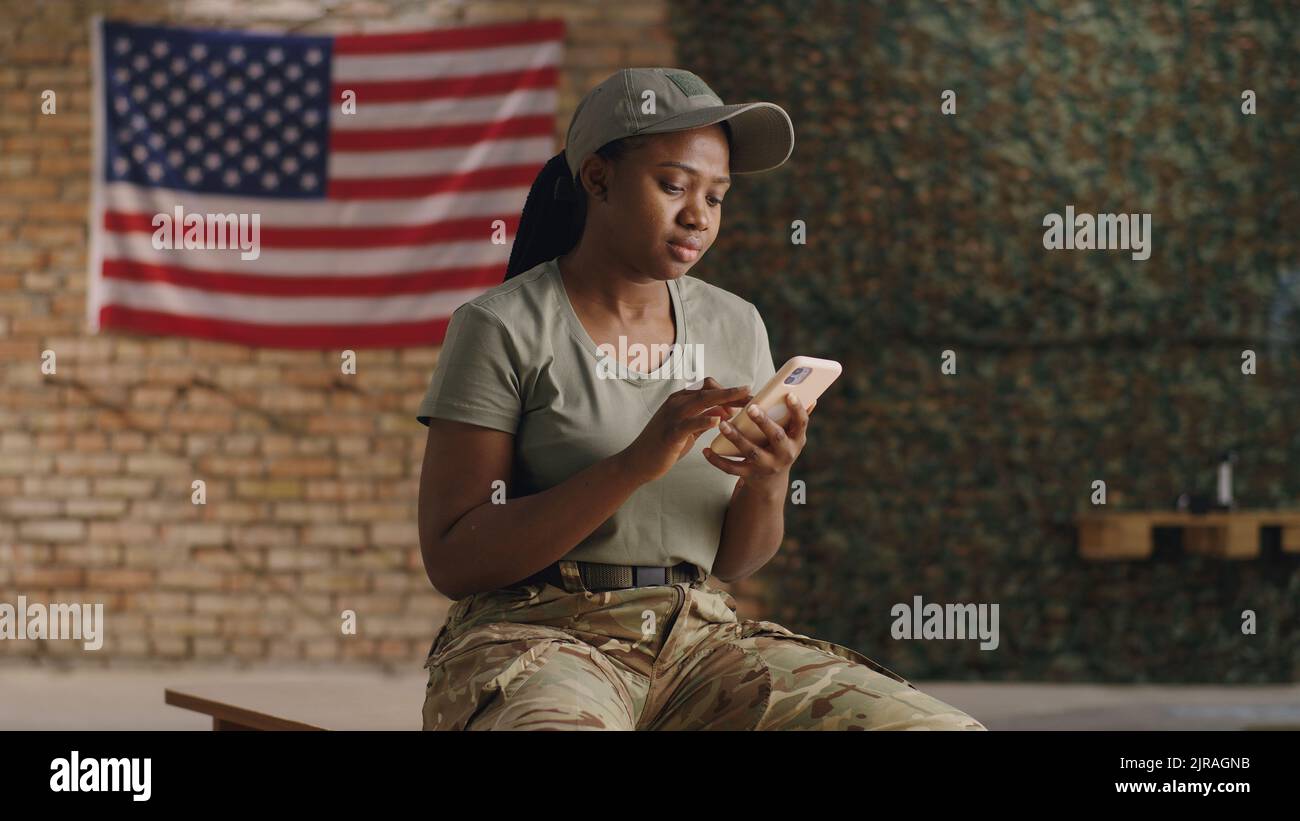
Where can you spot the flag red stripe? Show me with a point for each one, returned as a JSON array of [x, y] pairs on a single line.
[[360, 236], [471, 85], [230, 282], [462, 38], [504, 176], [398, 139], [385, 335]]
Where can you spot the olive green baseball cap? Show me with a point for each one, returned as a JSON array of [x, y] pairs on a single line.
[[762, 136]]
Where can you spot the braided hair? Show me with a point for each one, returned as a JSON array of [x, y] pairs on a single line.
[[555, 211]]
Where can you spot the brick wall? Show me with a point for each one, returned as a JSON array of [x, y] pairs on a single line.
[[311, 483]]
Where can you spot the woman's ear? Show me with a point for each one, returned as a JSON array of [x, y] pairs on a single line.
[[593, 177]]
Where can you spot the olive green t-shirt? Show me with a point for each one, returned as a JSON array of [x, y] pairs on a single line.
[[516, 358]]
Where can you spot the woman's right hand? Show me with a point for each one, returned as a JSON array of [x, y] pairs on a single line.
[[671, 432]]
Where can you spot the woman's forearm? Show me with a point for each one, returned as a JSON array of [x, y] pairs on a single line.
[[494, 545], [753, 529]]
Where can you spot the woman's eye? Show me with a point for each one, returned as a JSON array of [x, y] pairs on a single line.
[[673, 189]]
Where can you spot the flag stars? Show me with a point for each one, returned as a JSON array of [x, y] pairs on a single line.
[[244, 117]]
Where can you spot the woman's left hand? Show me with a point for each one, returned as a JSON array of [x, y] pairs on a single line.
[[770, 461]]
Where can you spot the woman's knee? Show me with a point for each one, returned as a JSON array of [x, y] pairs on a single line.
[[557, 686], [843, 695]]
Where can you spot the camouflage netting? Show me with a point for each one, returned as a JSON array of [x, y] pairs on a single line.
[[925, 233]]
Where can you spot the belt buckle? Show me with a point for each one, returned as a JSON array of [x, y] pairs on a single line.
[[646, 576]]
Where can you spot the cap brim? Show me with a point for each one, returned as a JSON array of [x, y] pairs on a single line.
[[762, 136]]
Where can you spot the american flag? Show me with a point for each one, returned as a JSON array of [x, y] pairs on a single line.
[[375, 225]]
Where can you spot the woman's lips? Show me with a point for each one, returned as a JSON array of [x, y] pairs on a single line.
[[683, 253]]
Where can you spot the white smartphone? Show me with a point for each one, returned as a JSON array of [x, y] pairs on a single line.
[[804, 376]]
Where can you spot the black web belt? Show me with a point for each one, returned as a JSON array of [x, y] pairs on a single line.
[[598, 577]]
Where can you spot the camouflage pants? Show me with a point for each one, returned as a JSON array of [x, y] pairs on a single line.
[[667, 657]]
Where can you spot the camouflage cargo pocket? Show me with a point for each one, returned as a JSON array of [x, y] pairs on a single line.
[[752, 628], [488, 661]]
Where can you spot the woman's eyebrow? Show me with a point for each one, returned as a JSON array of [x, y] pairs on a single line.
[[693, 170]]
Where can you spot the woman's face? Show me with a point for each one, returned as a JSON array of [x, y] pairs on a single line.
[[664, 203]]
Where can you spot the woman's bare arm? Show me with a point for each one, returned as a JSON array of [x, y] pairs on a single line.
[[470, 544]]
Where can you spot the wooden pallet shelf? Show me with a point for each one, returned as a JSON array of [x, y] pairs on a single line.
[[1129, 534]]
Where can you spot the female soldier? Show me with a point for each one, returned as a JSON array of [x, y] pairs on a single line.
[[568, 505]]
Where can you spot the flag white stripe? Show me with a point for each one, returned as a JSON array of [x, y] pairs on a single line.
[[525, 102], [360, 262], [459, 158], [443, 64], [94, 257], [285, 310], [128, 198]]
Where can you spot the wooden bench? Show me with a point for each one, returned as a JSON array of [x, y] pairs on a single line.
[[366, 703], [1223, 534]]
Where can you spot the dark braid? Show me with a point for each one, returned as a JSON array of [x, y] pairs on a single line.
[[556, 208]]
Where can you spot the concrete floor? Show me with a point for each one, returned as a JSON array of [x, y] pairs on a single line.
[[40, 699]]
